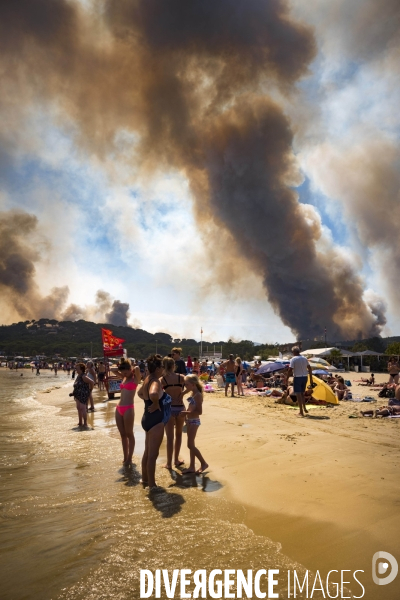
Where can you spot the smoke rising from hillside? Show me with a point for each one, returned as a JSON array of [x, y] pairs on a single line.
[[20, 249], [197, 82]]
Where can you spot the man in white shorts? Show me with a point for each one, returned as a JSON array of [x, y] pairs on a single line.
[[300, 369]]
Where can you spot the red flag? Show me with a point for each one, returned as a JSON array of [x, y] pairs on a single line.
[[110, 342]]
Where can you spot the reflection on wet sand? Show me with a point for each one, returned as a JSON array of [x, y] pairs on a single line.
[[83, 526]]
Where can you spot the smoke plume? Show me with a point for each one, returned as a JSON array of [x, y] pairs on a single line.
[[197, 82], [21, 248], [105, 310]]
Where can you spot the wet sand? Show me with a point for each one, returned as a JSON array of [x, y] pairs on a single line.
[[325, 487]]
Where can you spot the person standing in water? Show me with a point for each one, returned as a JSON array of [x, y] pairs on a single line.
[[101, 376], [174, 383], [125, 409], [192, 414], [81, 393], [90, 371], [157, 410]]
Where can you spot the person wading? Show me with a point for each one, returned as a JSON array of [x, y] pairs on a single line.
[[173, 384]]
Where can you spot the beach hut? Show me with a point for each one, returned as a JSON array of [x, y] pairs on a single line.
[[323, 392], [367, 353], [319, 352]]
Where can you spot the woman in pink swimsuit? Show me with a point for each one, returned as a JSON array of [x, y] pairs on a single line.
[[125, 410]]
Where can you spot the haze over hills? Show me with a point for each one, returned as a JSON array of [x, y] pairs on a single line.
[[83, 338]]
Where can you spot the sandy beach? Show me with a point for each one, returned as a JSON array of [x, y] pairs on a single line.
[[326, 487]]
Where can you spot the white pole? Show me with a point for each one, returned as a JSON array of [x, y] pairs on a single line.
[[201, 343]]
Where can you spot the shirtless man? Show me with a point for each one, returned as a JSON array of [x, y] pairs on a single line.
[[101, 375], [230, 376]]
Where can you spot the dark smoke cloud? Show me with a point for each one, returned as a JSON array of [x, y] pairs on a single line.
[[19, 292], [191, 79], [105, 310], [119, 314], [19, 252], [114, 311]]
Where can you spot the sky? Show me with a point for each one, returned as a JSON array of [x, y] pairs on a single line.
[[181, 190]]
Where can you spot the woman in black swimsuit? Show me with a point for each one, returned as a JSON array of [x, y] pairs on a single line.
[[82, 388], [174, 383], [157, 411]]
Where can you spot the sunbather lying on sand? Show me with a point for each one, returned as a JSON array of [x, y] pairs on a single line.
[[383, 411], [367, 382], [285, 398], [289, 397]]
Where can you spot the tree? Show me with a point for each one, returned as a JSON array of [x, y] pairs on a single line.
[[359, 347], [393, 348], [335, 355]]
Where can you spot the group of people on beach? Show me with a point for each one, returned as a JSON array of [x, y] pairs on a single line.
[[164, 411], [162, 384]]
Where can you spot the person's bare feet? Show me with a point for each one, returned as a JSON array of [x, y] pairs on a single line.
[[202, 469], [167, 466], [300, 415], [184, 471], [179, 463]]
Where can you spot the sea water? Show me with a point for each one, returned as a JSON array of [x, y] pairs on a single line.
[[76, 525]]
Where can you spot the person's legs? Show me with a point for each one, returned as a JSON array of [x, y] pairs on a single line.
[[179, 423], [169, 432], [233, 390], [129, 419], [78, 408], [84, 414], [300, 402], [155, 437], [367, 413], [226, 389], [194, 452], [91, 401], [119, 419], [145, 477]]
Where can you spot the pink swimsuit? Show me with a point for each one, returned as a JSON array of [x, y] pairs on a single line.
[[131, 385]]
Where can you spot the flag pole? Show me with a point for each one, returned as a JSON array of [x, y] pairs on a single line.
[[201, 343]]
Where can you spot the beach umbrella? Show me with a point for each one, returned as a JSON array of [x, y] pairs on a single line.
[[320, 372], [322, 391], [270, 368]]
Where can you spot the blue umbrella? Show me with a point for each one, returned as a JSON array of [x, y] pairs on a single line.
[[320, 372], [270, 368]]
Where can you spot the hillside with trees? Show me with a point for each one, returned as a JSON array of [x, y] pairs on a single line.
[[82, 338]]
